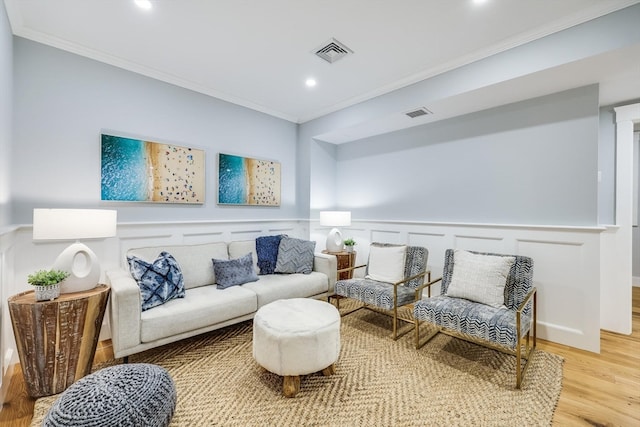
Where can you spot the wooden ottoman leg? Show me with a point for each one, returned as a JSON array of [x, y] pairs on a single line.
[[329, 370], [291, 385]]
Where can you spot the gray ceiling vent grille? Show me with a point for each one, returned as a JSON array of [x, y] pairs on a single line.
[[332, 50], [418, 112]]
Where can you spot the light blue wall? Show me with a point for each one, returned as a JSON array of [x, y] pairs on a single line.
[[407, 148], [62, 101], [532, 162], [6, 85], [607, 166]]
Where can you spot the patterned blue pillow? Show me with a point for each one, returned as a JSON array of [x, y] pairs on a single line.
[[159, 282], [233, 272], [295, 256], [267, 251]]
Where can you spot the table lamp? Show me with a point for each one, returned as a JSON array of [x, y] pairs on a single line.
[[335, 219], [75, 224]]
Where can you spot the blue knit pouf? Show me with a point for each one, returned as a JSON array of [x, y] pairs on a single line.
[[136, 394]]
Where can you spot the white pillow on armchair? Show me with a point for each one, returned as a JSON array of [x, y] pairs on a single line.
[[480, 278], [386, 263]]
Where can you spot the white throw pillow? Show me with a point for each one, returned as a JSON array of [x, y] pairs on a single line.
[[480, 278], [386, 263]]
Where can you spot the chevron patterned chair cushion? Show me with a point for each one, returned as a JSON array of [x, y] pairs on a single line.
[[497, 325], [380, 294], [295, 256]]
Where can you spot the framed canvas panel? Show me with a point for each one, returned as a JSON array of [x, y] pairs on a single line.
[[246, 181], [137, 170]]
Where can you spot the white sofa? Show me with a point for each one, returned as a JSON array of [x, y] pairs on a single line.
[[204, 307]]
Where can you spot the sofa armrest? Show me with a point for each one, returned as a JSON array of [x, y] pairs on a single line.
[[125, 310], [327, 264]]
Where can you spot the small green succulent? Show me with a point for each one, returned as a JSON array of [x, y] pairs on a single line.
[[47, 277], [349, 242]]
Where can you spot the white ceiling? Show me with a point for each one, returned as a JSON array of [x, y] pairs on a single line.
[[258, 53]]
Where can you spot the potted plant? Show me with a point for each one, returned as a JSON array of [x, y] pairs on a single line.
[[47, 283], [349, 244]]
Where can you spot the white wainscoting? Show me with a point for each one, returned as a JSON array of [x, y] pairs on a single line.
[[567, 260], [566, 265], [20, 256]]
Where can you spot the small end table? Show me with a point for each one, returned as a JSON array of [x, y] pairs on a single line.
[[57, 339], [345, 260]]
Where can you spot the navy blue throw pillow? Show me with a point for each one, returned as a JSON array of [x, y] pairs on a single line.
[[159, 281], [267, 251]]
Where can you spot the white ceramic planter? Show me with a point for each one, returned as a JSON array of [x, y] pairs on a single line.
[[47, 293]]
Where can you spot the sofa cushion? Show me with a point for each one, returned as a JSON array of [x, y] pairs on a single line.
[[201, 307], [479, 277], [194, 260], [159, 281], [241, 247], [234, 272], [267, 250], [295, 256], [282, 286]]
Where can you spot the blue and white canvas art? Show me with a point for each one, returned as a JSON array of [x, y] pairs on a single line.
[[246, 181], [136, 170]]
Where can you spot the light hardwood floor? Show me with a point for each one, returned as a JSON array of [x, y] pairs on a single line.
[[598, 389]]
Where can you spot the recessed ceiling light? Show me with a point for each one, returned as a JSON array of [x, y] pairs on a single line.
[[479, 1], [310, 82], [143, 4]]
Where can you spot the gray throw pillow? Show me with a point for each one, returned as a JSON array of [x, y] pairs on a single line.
[[295, 256], [233, 272]]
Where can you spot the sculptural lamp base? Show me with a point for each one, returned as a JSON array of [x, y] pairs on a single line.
[[334, 241], [82, 265]]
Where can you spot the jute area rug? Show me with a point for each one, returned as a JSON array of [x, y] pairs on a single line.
[[378, 382]]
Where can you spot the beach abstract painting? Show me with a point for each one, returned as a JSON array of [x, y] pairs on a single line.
[[135, 170], [245, 181]]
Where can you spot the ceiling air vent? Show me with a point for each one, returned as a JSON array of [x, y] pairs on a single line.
[[418, 112], [332, 50]]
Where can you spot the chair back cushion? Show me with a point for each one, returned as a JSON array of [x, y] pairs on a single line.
[[386, 263], [519, 280], [415, 262], [480, 278]]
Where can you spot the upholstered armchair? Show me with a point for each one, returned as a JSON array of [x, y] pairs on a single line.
[[488, 299], [393, 278]]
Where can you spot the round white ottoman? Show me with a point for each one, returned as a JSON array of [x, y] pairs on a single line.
[[298, 336]]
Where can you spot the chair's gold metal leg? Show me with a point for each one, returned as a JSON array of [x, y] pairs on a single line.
[[395, 322]]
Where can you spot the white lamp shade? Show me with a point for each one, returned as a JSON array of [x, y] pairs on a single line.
[[73, 224], [335, 218]]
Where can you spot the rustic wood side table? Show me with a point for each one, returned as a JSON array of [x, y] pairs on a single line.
[[57, 339], [345, 260]]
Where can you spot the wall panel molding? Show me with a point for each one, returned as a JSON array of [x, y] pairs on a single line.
[[566, 265]]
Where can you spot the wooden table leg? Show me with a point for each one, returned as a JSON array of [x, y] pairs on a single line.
[[291, 385], [329, 370]]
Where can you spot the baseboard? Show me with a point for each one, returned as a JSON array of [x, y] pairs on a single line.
[[635, 281]]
